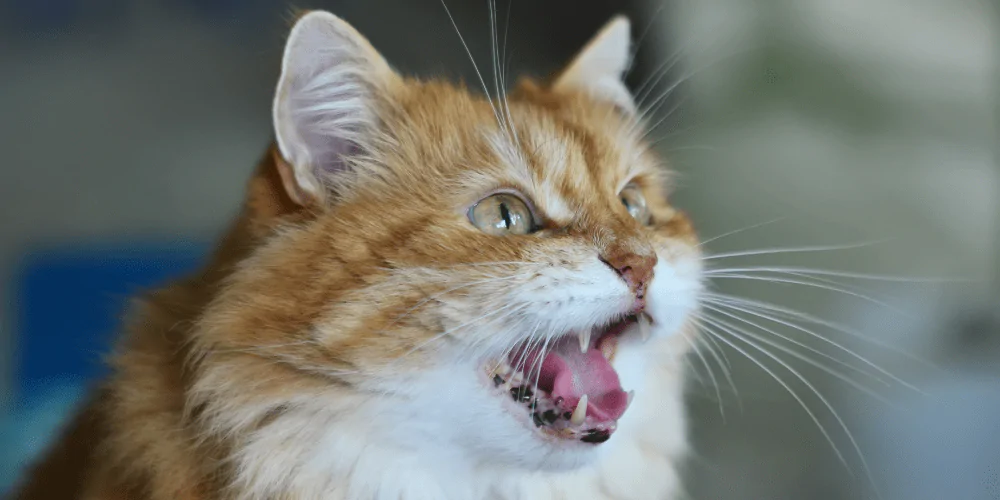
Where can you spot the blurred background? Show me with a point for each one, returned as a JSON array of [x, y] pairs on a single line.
[[129, 128]]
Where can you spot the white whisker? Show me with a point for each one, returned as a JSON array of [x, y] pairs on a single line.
[[473, 60], [813, 334], [654, 106], [787, 388], [651, 128], [801, 316], [845, 378], [715, 350], [508, 310], [804, 249], [840, 289], [450, 290], [832, 272], [818, 394], [711, 375], [740, 230]]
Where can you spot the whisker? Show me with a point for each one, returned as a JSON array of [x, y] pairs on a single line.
[[834, 273], [813, 334], [499, 79], [506, 28], [711, 375], [525, 352], [486, 264], [818, 394], [491, 9], [715, 350], [661, 98], [505, 354], [508, 309], [503, 80], [654, 78], [259, 349], [803, 249], [740, 230], [662, 70], [808, 318], [450, 290], [787, 388], [537, 365], [645, 30], [850, 381], [472, 60], [651, 128], [841, 289]]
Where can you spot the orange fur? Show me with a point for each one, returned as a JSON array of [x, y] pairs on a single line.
[[309, 300]]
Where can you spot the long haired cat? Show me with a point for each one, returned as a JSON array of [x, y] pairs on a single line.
[[430, 294]]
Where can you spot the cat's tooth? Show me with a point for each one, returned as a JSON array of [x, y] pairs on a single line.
[[608, 348], [631, 396], [580, 413], [644, 328], [584, 338]]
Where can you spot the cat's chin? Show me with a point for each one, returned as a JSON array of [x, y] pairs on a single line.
[[566, 391]]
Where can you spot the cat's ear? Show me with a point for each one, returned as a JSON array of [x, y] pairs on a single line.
[[326, 105], [599, 68]]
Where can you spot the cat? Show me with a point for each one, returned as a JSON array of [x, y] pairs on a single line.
[[429, 294]]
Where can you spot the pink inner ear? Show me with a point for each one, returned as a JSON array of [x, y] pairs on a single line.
[[330, 122], [325, 103]]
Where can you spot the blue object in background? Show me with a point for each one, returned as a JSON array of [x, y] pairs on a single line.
[[68, 305]]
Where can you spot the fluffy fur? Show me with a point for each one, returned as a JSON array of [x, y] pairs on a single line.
[[334, 345]]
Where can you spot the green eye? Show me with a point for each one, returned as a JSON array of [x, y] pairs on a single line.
[[635, 203], [502, 214]]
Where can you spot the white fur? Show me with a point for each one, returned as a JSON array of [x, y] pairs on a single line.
[[441, 433]]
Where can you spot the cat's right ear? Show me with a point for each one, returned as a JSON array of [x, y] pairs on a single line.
[[326, 106]]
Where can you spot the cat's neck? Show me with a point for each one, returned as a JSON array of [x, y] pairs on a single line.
[[330, 448], [347, 460]]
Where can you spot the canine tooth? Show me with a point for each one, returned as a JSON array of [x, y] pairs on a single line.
[[584, 338], [608, 348], [631, 396], [644, 330], [497, 369], [580, 413]]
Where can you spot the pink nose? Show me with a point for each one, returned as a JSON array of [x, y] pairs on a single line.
[[635, 269]]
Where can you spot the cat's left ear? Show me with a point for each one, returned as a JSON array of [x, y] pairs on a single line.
[[333, 87], [599, 69]]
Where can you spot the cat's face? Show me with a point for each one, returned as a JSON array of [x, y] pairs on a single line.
[[488, 280]]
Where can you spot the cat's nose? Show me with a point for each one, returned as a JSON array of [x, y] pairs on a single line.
[[635, 269]]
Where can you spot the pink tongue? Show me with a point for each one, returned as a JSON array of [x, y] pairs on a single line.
[[569, 374]]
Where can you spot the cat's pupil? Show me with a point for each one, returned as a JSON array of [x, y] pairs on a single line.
[[625, 202], [505, 213]]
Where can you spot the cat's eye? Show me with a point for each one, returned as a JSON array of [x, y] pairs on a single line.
[[502, 214], [635, 203]]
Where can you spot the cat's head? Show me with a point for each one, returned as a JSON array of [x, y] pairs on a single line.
[[461, 272]]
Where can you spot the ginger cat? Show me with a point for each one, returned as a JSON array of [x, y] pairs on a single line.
[[429, 294]]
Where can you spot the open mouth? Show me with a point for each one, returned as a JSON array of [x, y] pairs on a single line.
[[569, 387]]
